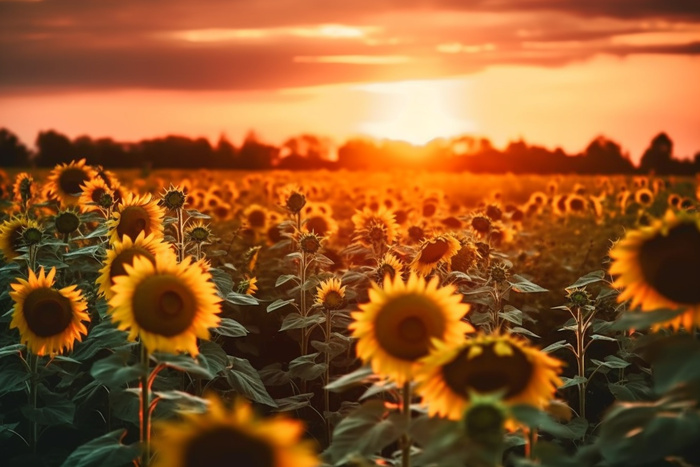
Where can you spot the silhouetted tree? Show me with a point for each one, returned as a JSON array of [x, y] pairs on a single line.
[[657, 157], [53, 148], [604, 156], [12, 152], [255, 155]]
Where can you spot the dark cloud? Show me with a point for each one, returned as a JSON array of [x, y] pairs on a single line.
[[70, 44]]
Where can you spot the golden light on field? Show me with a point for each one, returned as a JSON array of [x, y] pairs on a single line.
[[415, 111]]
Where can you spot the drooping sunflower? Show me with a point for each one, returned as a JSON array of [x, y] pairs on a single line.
[[24, 189], [136, 214], [396, 328], [248, 286], [234, 436], [95, 195], [390, 266], [49, 320], [466, 257], [167, 305], [434, 251], [123, 253], [330, 294], [65, 181], [11, 235], [658, 266], [486, 364]]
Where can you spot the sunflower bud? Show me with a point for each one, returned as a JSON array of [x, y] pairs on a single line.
[[295, 202], [174, 199], [310, 243], [498, 273], [67, 222], [32, 236], [579, 297]]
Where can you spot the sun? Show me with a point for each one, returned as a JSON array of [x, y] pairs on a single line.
[[416, 111]]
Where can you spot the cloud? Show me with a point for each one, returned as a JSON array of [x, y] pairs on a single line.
[[270, 44]]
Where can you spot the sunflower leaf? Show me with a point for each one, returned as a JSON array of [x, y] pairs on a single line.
[[306, 368], [279, 303], [244, 379], [284, 278], [297, 321], [231, 328], [643, 320], [359, 376], [105, 451], [522, 285], [590, 278], [575, 381], [235, 298]]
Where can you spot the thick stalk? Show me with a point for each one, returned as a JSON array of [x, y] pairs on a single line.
[[180, 236], [581, 362], [406, 439], [144, 413], [34, 383], [327, 378]]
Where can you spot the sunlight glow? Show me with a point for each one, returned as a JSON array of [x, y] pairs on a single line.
[[326, 31], [415, 111]]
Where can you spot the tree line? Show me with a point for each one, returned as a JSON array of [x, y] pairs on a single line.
[[309, 152]]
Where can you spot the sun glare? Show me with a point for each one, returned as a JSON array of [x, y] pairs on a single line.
[[416, 111]]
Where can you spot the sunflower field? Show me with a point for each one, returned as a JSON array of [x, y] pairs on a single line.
[[290, 319]]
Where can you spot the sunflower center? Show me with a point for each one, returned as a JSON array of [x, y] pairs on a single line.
[[488, 372], [71, 179], [433, 252], [47, 312], [671, 264], [576, 204], [256, 218], [127, 257], [164, 305], [67, 222], [97, 194], [405, 325], [224, 446], [333, 300], [318, 225], [429, 210], [133, 221]]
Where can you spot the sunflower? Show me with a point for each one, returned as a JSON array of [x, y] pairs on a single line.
[[256, 217], [644, 196], [67, 221], [248, 286], [674, 200], [24, 189], [330, 295], [395, 329], [576, 204], [466, 257], [167, 305], [434, 251], [390, 266], [486, 364], [123, 253], [95, 195], [198, 232], [292, 198], [49, 320], [134, 215], [658, 266], [375, 227], [11, 235], [65, 180], [224, 436], [319, 219], [173, 198]]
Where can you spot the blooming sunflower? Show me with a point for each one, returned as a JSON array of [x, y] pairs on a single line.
[[248, 286], [123, 253], [24, 189], [372, 227], [49, 320], [11, 235], [95, 194], [65, 181], [166, 304], [389, 265], [486, 364], [136, 214], [330, 295], [658, 266], [644, 196], [395, 329], [223, 436], [576, 204], [433, 251]]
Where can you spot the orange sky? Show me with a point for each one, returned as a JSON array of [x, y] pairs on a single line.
[[554, 72]]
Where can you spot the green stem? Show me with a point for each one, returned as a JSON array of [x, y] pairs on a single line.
[[406, 411], [581, 362], [180, 236], [326, 392], [144, 413], [34, 383]]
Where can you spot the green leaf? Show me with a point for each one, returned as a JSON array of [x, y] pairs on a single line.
[[196, 214], [600, 337], [105, 451], [13, 349], [296, 402], [535, 418], [556, 346], [235, 298], [91, 251], [297, 321], [611, 361], [231, 328], [522, 285], [103, 336], [279, 303], [245, 380], [590, 278], [644, 319], [306, 368], [185, 363], [512, 314], [183, 400], [114, 371], [575, 381], [360, 376], [284, 278], [57, 411], [525, 332]]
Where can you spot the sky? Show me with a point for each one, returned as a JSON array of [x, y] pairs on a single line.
[[556, 73]]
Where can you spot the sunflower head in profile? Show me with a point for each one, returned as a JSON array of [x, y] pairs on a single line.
[[658, 266], [95, 195], [433, 251], [49, 320], [401, 322], [65, 181], [168, 305], [11, 235], [330, 294], [232, 436], [293, 198], [483, 365], [248, 286], [24, 189], [123, 253], [466, 257], [136, 214], [389, 266]]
